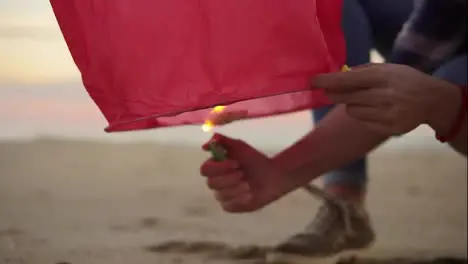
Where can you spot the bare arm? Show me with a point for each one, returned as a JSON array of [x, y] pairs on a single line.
[[459, 144], [374, 103], [340, 139], [446, 112], [337, 140]]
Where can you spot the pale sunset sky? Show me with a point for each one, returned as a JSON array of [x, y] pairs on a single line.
[[32, 49]]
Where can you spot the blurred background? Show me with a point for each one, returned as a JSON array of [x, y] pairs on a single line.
[[71, 192]]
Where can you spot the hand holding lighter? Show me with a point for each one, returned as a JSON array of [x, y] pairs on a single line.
[[217, 151]]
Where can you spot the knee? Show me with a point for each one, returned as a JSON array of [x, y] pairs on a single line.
[[357, 32], [455, 70]]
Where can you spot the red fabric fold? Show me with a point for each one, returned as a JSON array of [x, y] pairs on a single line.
[[158, 63]]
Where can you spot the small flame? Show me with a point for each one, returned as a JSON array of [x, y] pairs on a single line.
[[218, 109], [209, 125]]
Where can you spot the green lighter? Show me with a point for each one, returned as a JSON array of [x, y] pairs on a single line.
[[217, 151]]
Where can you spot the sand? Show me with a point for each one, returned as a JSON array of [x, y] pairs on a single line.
[[95, 203]]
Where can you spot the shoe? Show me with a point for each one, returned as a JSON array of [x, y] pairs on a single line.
[[338, 228]]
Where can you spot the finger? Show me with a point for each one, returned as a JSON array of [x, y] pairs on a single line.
[[341, 82], [225, 181], [211, 168], [223, 140], [215, 138], [238, 205], [368, 97], [380, 129], [231, 144], [363, 66], [232, 193], [368, 113], [226, 117]]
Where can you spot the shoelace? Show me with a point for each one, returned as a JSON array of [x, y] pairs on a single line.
[[344, 210], [326, 219]]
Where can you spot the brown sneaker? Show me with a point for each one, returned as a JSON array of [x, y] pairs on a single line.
[[336, 229]]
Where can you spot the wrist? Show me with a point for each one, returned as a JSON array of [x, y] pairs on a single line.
[[445, 109]]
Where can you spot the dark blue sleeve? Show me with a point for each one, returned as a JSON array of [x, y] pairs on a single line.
[[434, 32]]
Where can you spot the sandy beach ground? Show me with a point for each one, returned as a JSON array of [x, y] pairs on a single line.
[[64, 201]]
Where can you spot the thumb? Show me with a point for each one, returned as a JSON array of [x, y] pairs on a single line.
[[226, 142]]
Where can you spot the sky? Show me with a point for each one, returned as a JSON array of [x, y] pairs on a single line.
[[32, 49]]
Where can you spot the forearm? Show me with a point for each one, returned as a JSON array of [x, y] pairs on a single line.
[[460, 142], [337, 140], [447, 113]]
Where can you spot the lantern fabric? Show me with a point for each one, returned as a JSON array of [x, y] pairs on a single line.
[[160, 63]]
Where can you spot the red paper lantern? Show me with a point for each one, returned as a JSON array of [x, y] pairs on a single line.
[[157, 63]]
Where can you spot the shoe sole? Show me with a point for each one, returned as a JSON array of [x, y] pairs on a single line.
[[348, 256]]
